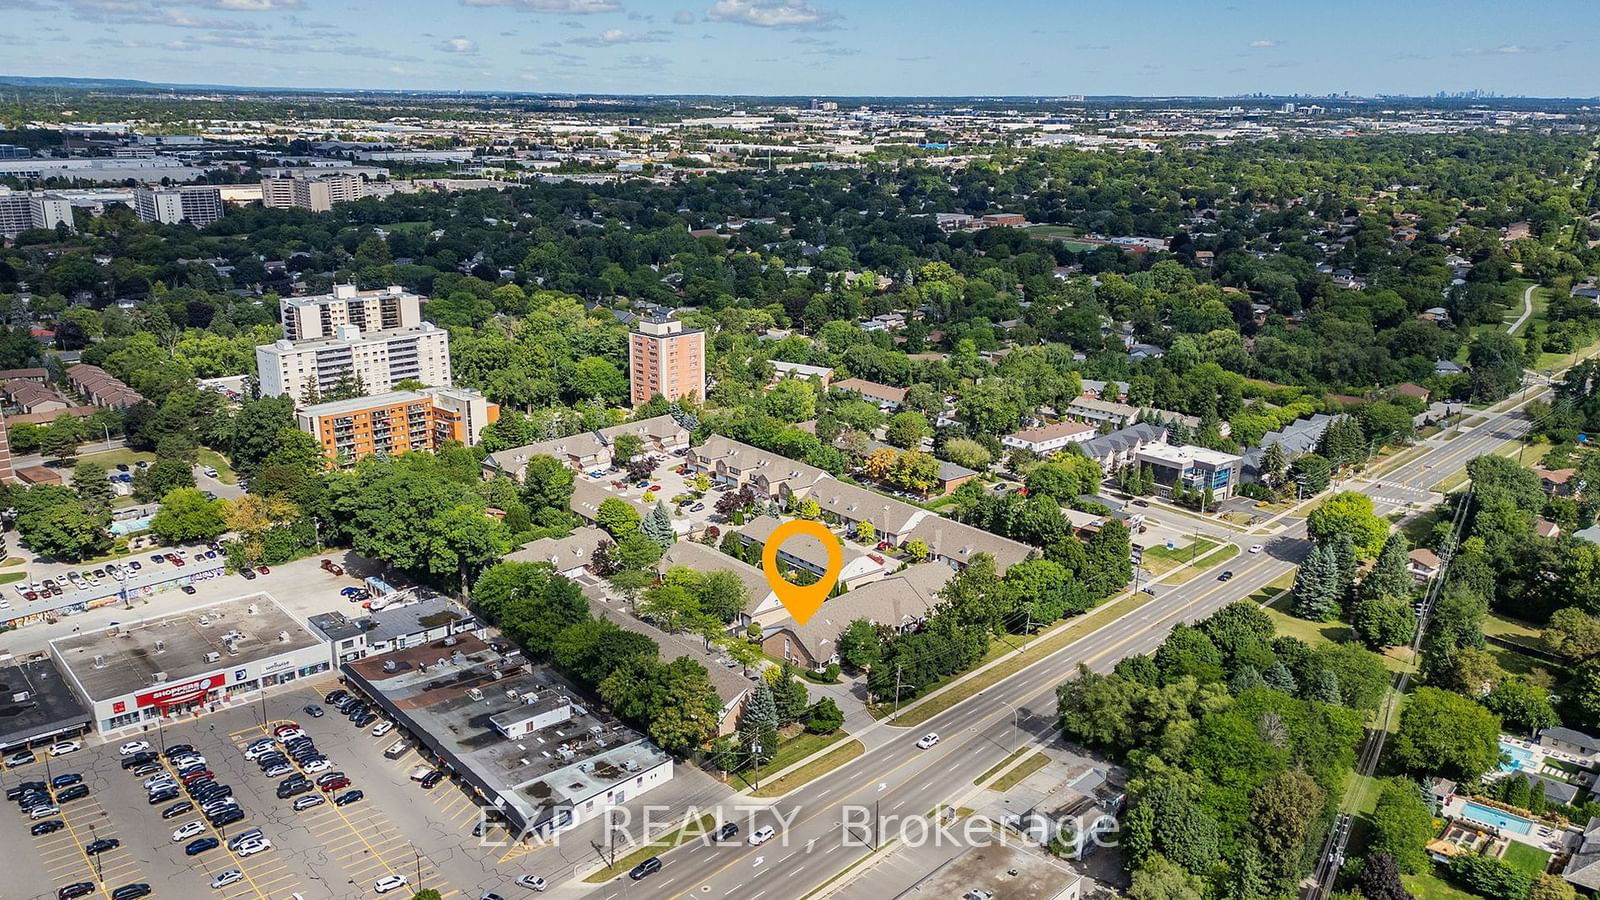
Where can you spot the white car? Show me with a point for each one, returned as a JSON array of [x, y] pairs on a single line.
[[188, 831], [532, 882], [762, 835], [1256, 548], [382, 728], [317, 765], [132, 747], [255, 753], [389, 883], [160, 778], [928, 740], [226, 878], [420, 772], [187, 760], [251, 848], [289, 735], [62, 748]]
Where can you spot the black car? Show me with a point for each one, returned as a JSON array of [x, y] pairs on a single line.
[[131, 891], [48, 826], [227, 817], [348, 797], [432, 778], [143, 757], [1225, 575], [164, 796], [332, 698], [176, 810], [178, 750], [101, 846], [67, 780], [728, 831], [201, 845], [76, 889], [648, 867], [149, 768], [75, 792], [212, 791], [313, 710], [285, 791], [16, 791], [354, 710], [364, 720]]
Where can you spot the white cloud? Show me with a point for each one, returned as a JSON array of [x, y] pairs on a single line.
[[1263, 44], [683, 17], [612, 36], [457, 45], [574, 7], [1511, 48], [771, 13]]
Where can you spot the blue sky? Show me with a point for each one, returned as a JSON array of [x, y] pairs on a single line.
[[842, 47]]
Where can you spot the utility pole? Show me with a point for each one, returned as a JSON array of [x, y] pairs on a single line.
[[896, 688]]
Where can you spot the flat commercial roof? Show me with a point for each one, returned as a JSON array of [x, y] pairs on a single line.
[[990, 868], [432, 688], [130, 656], [35, 703], [1186, 454]]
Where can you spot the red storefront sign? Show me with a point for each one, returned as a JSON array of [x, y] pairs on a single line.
[[175, 694]]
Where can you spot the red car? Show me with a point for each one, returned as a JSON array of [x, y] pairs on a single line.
[[655, 487], [287, 726], [334, 785], [196, 776], [263, 570]]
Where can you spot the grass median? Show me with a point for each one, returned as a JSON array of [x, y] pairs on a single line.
[[686, 832], [998, 766], [1211, 560], [811, 771], [1014, 777]]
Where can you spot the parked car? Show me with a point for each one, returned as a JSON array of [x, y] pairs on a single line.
[[61, 748], [177, 809], [102, 845], [131, 891], [142, 758], [313, 710], [389, 883], [67, 780], [201, 845], [309, 801], [223, 879], [48, 826], [333, 785], [532, 882], [42, 810], [251, 848], [76, 792], [348, 797], [188, 830], [432, 778], [332, 567], [132, 747], [75, 889]]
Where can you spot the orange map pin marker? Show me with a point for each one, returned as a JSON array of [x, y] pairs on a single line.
[[802, 602]]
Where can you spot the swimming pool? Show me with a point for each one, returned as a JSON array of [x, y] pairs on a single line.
[[1502, 820], [129, 526], [1521, 758]]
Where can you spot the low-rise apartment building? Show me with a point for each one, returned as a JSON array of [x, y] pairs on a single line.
[[101, 388], [397, 422], [1048, 439], [660, 436]]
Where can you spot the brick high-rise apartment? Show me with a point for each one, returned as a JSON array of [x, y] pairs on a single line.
[[667, 359]]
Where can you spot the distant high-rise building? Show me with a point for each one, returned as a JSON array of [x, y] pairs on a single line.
[[318, 315], [197, 204], [22, 210], [377, 361], [667, 359], [12, 151], [318, 192]]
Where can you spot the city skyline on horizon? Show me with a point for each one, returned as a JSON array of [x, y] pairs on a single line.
[[808, 47]]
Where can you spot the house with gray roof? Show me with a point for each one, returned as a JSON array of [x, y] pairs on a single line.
[[1117, 449], [769, 474], [661, 435], [570, 555], [806, 553], [1297, 439], [890, 518], [900, 601], [955, 543], [1583, 868], [706, 559]]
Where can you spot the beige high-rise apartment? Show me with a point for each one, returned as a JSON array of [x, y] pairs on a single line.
[[667, 359], [316, 192], [319, 314]]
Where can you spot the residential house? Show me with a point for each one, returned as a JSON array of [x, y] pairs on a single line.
[[1424, 564], [806, 553], [951, 476], [37, 375], [762, 603], [955, 543], [1296, 439], [782, 370], [570, 555], [587, 497], [1446, 367], [1115, 391], [891, 519], [100, 388], [32, 397], [1047, 439], [1556, 482], [1546, 529], [1119, 415], [1413, 390], [768, 474], [1117, 449], [1435, 314], [901, 601], [1571, 741], [1583, 867], [661, 436], [432, 617], [886, 396]]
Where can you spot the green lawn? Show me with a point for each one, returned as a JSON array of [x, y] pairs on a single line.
[[1419, 529], [811, 771], [1014, 777], [1429, 886], [1208, 561], [8, 577], [1158, 559], [999, 765], [792, 751], [1512, 630], [112, 458], [1528, 858], [1335, 632], [208, 457]]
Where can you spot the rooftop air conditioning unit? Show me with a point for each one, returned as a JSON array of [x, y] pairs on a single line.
[[451, 641], [161, 646], [283, 637], [21, 697], [213, 656], [390, 665], [158, 677], [511, 694], [99, 661], [253, 609], [474, 693], [204, 621]]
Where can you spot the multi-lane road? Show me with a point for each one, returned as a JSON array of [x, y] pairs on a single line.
[[824, 827]]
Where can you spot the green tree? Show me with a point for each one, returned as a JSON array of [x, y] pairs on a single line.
[[758, 722], [161, 478], [1573, 633], [1349, 514], [635, 551], [791, 400], [547, 484], [969, 453], [1522, 704], [1390, 577], [61, 438], [90, 482], [1380, 879], [1161, 879], [1384, 623], [1311, 473], [1402, 825], [824, 717], [907, 429], [530, 602], [462, 540], [859, 645], [617, 516], [1281, 812], [657, 526], [64, 531], [1446, 734], [1316, 585], [186, 515]]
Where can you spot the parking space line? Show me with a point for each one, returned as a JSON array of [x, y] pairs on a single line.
[[166, 764]]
